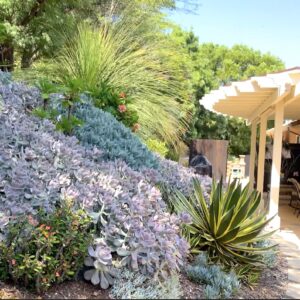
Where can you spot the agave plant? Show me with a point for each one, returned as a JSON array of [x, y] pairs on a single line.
[[229, 227]]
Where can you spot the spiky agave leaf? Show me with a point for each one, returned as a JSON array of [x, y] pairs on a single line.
[[229, 227]]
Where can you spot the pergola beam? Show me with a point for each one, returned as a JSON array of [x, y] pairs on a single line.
[[264, 106]]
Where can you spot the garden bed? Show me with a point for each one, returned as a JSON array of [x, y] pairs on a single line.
[[272, 285]]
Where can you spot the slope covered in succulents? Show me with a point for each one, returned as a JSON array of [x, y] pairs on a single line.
[[39, 166], [116, 141]]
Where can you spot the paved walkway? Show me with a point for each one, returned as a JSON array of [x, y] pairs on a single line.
[[289, 243]]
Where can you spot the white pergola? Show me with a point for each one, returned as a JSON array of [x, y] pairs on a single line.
[[273, 96]]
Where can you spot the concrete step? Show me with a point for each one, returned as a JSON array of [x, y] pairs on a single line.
[[284, 197], [286, 185], [293, 290], [286, 189]]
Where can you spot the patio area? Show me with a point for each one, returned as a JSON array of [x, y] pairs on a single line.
[[289, 220], [289, 242], [275, 96]]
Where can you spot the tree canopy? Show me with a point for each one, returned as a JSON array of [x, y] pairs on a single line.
[[32, 30], [213, 66]]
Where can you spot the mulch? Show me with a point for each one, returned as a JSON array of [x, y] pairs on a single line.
[[272, 285]]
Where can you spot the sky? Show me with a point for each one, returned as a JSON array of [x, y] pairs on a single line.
[[266, 25]]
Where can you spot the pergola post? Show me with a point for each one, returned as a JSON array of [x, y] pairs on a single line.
[[261, 154], [252, 154], [276, 163]]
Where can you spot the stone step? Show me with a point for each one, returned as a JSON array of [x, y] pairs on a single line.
[[294, 275], [293, 261], [293, 290], [284, 198], [286, 188], [286, 185]]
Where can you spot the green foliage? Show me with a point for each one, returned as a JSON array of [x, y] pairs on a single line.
[[64, 120], [219, 284], [210, 66], [131, 285], [123, 57], [102, 130], [157, 147], [115, 102], [67, 124], [45, 249], [46, 88], [35, 29], [229, 227], [219, 65], [50, 114]]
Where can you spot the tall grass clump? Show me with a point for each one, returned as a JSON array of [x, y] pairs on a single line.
[[121, 54]]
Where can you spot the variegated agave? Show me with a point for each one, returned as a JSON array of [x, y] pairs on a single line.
[[229, 229]]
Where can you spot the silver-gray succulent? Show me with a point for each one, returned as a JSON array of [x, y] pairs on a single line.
[[218, 283], [102, 271]]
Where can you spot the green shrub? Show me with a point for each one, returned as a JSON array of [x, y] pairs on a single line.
[[132, 285], [228, 228], [117, 54], [116, 102], [219, 284], [50, 248], [61, 114], [102, 130], [157, 147]]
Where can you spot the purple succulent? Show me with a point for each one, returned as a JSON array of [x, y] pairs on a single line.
[[185, 218], [39, 166]]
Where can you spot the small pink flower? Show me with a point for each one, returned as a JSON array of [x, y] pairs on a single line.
[[57, 274], [122, 95], [122, 108], [13, 262], [48, 228], [32, 221], [136, 127]]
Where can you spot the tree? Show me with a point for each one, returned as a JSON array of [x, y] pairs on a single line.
[[34, 28], [31, 26], [214, 66]]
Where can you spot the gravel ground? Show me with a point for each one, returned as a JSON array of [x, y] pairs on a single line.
[[66, 290], [272, 285]]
